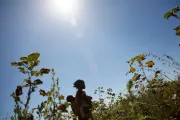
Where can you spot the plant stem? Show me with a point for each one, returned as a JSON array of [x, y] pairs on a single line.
[[29, 91]]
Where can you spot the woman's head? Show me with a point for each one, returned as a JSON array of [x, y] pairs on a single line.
[[79, 84]]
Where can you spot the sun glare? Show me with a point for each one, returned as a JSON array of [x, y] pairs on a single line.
[[65, 7]]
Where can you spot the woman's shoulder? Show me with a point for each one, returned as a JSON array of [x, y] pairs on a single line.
[[81, 92]]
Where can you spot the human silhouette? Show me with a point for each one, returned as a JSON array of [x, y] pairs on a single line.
[[75, 107], [82, 101]]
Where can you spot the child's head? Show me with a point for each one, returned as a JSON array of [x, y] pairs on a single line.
[[79, 84], [70, 98]]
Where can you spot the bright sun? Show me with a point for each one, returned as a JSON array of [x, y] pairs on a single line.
[[65, 7]]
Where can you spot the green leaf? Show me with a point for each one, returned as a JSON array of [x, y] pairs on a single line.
[[129, 85], [178, 33], [132, 70], [177, 28], [136, 86], [16, 63], [36, 63], [17, 99], [49, 99], [33, 72], [38, 82], [20, 63], [168, 15], [37, 74], [66, 104], [44, 71], [23, 58], [33, 57], [22, 70], [175, 10]]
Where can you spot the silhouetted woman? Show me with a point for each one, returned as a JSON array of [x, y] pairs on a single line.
[[83, 102]]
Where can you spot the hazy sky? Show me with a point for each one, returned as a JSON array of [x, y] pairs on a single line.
[[92, 42]]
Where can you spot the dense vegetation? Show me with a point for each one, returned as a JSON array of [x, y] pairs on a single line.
[[151, 94]]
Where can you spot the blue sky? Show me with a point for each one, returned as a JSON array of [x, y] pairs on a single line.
[[105, 34]]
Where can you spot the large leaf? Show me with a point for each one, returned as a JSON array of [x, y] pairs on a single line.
[[168, 15], [33, 57], [38, 82]]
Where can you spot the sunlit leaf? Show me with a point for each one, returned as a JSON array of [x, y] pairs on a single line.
[[141, 57], [36, 63], [33, 57], [132, 70], [168, 15], [150, 64], [33, 72]]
